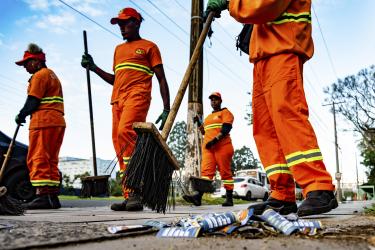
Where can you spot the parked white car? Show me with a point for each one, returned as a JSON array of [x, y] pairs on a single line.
[[248, 188]]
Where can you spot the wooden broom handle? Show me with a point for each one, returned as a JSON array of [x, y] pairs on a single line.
[[9, 153], [185, 81]]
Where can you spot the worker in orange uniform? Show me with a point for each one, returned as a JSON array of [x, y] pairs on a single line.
[[217, 149], [135, 62], [45, 104], [280, 44]]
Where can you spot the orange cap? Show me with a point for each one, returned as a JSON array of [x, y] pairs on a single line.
[[125, 14], [40, 56], [217, 94]]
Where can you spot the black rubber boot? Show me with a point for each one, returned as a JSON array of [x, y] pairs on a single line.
[[195, 199], [119, 206], [282, 207], [229, 199], [45, 201], [134, 202], [318, 202]]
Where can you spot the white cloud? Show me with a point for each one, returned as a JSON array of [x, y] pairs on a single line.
[[38, 4]]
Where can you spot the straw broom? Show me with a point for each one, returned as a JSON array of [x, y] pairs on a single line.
[[150, 169], [9, 205]]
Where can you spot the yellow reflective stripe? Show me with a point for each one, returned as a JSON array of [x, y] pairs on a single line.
[[304, 156], [212, 126], [52, 99], [126, 160], [38, 183], [206, 177], [228, 181], [134, 66], [277, 169], [292, 17]]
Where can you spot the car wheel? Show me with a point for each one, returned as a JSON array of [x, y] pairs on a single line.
[[265, 197], [248, 196], [19, 186]]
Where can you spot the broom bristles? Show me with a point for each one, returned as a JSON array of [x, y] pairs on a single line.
[[10, 206], [150, 173]]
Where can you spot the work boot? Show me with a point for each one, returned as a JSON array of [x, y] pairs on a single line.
[[196, 199], [134, 202], [229, 199], [45, 201], [318, 202], [283, 207], [119, 206]]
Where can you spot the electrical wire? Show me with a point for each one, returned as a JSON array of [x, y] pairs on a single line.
[[325, 43]]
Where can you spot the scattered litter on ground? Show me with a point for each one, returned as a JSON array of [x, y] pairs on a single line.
[[237, 224]]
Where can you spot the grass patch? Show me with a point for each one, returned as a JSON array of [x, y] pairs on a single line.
[[370, 210], [207, 199]]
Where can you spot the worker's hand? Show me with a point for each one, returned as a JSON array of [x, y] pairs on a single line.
[[163, 117], [197, 120], [20, 119], [88, 61], [211, 143], [217, 6]]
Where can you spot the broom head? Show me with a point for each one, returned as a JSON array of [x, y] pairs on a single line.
[[97, 186], [151, 166], [9, 205]]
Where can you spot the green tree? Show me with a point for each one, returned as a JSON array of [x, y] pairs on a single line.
[[177, 142], [243, 158], [115, 185], [249, 111], [356, 97]]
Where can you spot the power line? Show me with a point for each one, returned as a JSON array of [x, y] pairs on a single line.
[[170, 19], [155, 20], [182, 7], [79, 12], [325, 43]]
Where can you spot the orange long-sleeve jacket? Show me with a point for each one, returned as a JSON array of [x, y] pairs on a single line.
[[280, 26]]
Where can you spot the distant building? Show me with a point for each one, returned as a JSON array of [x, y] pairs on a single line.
[[72, 166]]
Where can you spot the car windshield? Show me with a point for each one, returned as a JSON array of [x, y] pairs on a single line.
[[238, 179]]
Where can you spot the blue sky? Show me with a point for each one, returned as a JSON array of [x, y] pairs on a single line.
[[347, 27]]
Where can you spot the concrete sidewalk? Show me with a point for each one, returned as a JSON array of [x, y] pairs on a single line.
[[77, 226]]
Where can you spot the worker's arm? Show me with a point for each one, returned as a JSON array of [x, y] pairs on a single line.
[[257, 11], [164, 91], [225, 129], [87, 61], [32, 103]]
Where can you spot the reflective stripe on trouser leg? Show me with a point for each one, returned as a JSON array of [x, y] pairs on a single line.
[[270, 152], [289, 111], [43, 155]]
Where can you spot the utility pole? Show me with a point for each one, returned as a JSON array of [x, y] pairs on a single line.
[[338, 174], [195, 106]]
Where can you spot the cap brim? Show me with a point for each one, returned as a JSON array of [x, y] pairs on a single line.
[[22, 62], [116, 19]]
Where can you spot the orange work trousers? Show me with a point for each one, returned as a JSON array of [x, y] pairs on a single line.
[[219, 155], [284, 137], [43, 158], [125, 112]]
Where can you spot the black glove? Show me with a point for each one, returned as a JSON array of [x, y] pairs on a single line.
[[163, 118], [20, 119], [211, 143], [87, 61]]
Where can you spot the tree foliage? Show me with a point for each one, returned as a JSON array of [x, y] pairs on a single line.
[[249, 111], [243, 158], [177, 142], [356, 97]]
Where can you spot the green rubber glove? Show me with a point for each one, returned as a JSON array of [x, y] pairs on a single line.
[[216, 6], [163, 117], [88, 61]]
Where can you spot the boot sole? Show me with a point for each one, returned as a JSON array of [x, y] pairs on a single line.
[[319, 210], [281, 210]]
